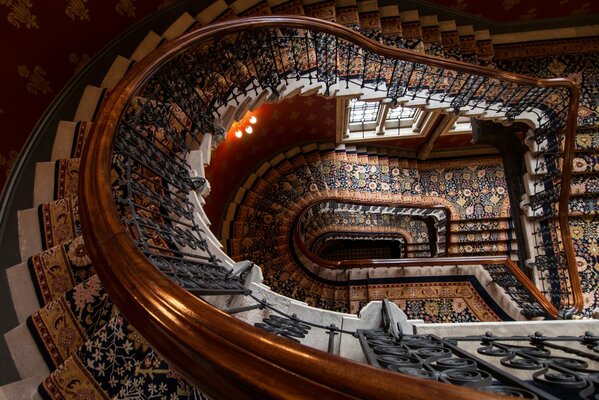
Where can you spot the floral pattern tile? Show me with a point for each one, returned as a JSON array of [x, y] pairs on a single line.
[[585, 234], [584, 68], [155, 380], [101, 366]]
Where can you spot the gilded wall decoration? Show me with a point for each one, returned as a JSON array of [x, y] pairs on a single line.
[[77, 9], [166, 3], [36, 79], [509, 4], [20, 13], [126, 8], [8, 161], [78, 61]]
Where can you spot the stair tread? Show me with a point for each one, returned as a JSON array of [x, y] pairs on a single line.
[[25, 352], [60, 268], [91, 366], [65, 323], [22, 291]]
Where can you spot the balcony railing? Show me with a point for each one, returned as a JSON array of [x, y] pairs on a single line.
[[136, 192]]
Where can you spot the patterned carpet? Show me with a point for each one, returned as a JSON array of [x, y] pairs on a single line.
[[470, 190]]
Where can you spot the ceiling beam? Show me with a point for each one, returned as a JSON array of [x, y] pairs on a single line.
[[437, 125]]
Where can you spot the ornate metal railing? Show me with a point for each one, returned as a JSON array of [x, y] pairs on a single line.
[[548, 372], [332, 244], [136, 192], [502, 270], [428, 239]]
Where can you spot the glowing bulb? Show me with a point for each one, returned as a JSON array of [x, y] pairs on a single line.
[[249, 130], [238, 134], [253, 119]]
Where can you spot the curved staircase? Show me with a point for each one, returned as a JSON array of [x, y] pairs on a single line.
[[71, 337]]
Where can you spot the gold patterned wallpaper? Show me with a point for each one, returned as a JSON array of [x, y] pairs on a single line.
[[45, 43]]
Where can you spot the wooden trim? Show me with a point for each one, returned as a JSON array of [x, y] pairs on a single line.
[[564, 200], [440, 124], [222, 356]]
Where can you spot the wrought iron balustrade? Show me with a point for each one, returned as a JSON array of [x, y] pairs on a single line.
[[531, 367], [136, 188], [427, 228]]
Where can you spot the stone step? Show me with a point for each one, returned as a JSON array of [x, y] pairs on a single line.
[[90, 103], [25, 352], [467, 43], [25, 389], [212, 12], [22, 291], [64, 174], [69, 139], [43, 189], [30, 235], [146, 46], [117, 70]]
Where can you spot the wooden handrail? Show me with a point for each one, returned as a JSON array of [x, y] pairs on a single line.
[[222, 356]]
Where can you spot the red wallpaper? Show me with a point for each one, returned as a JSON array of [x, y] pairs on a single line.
[[43, 44], [522, 10], [295, 121]]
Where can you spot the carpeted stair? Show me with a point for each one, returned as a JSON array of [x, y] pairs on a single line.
[[281, 187]]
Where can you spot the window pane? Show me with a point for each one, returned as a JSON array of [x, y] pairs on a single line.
[[401, 113], [363, 111]]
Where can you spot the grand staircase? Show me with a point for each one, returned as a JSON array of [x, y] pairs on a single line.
[[73, 339]]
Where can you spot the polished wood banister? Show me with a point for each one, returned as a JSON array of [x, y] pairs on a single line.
[[222, 356], [564, 200]]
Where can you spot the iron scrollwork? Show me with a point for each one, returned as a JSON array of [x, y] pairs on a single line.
[[552, 376]]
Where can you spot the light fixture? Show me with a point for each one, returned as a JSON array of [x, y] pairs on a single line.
[[244, 126]]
